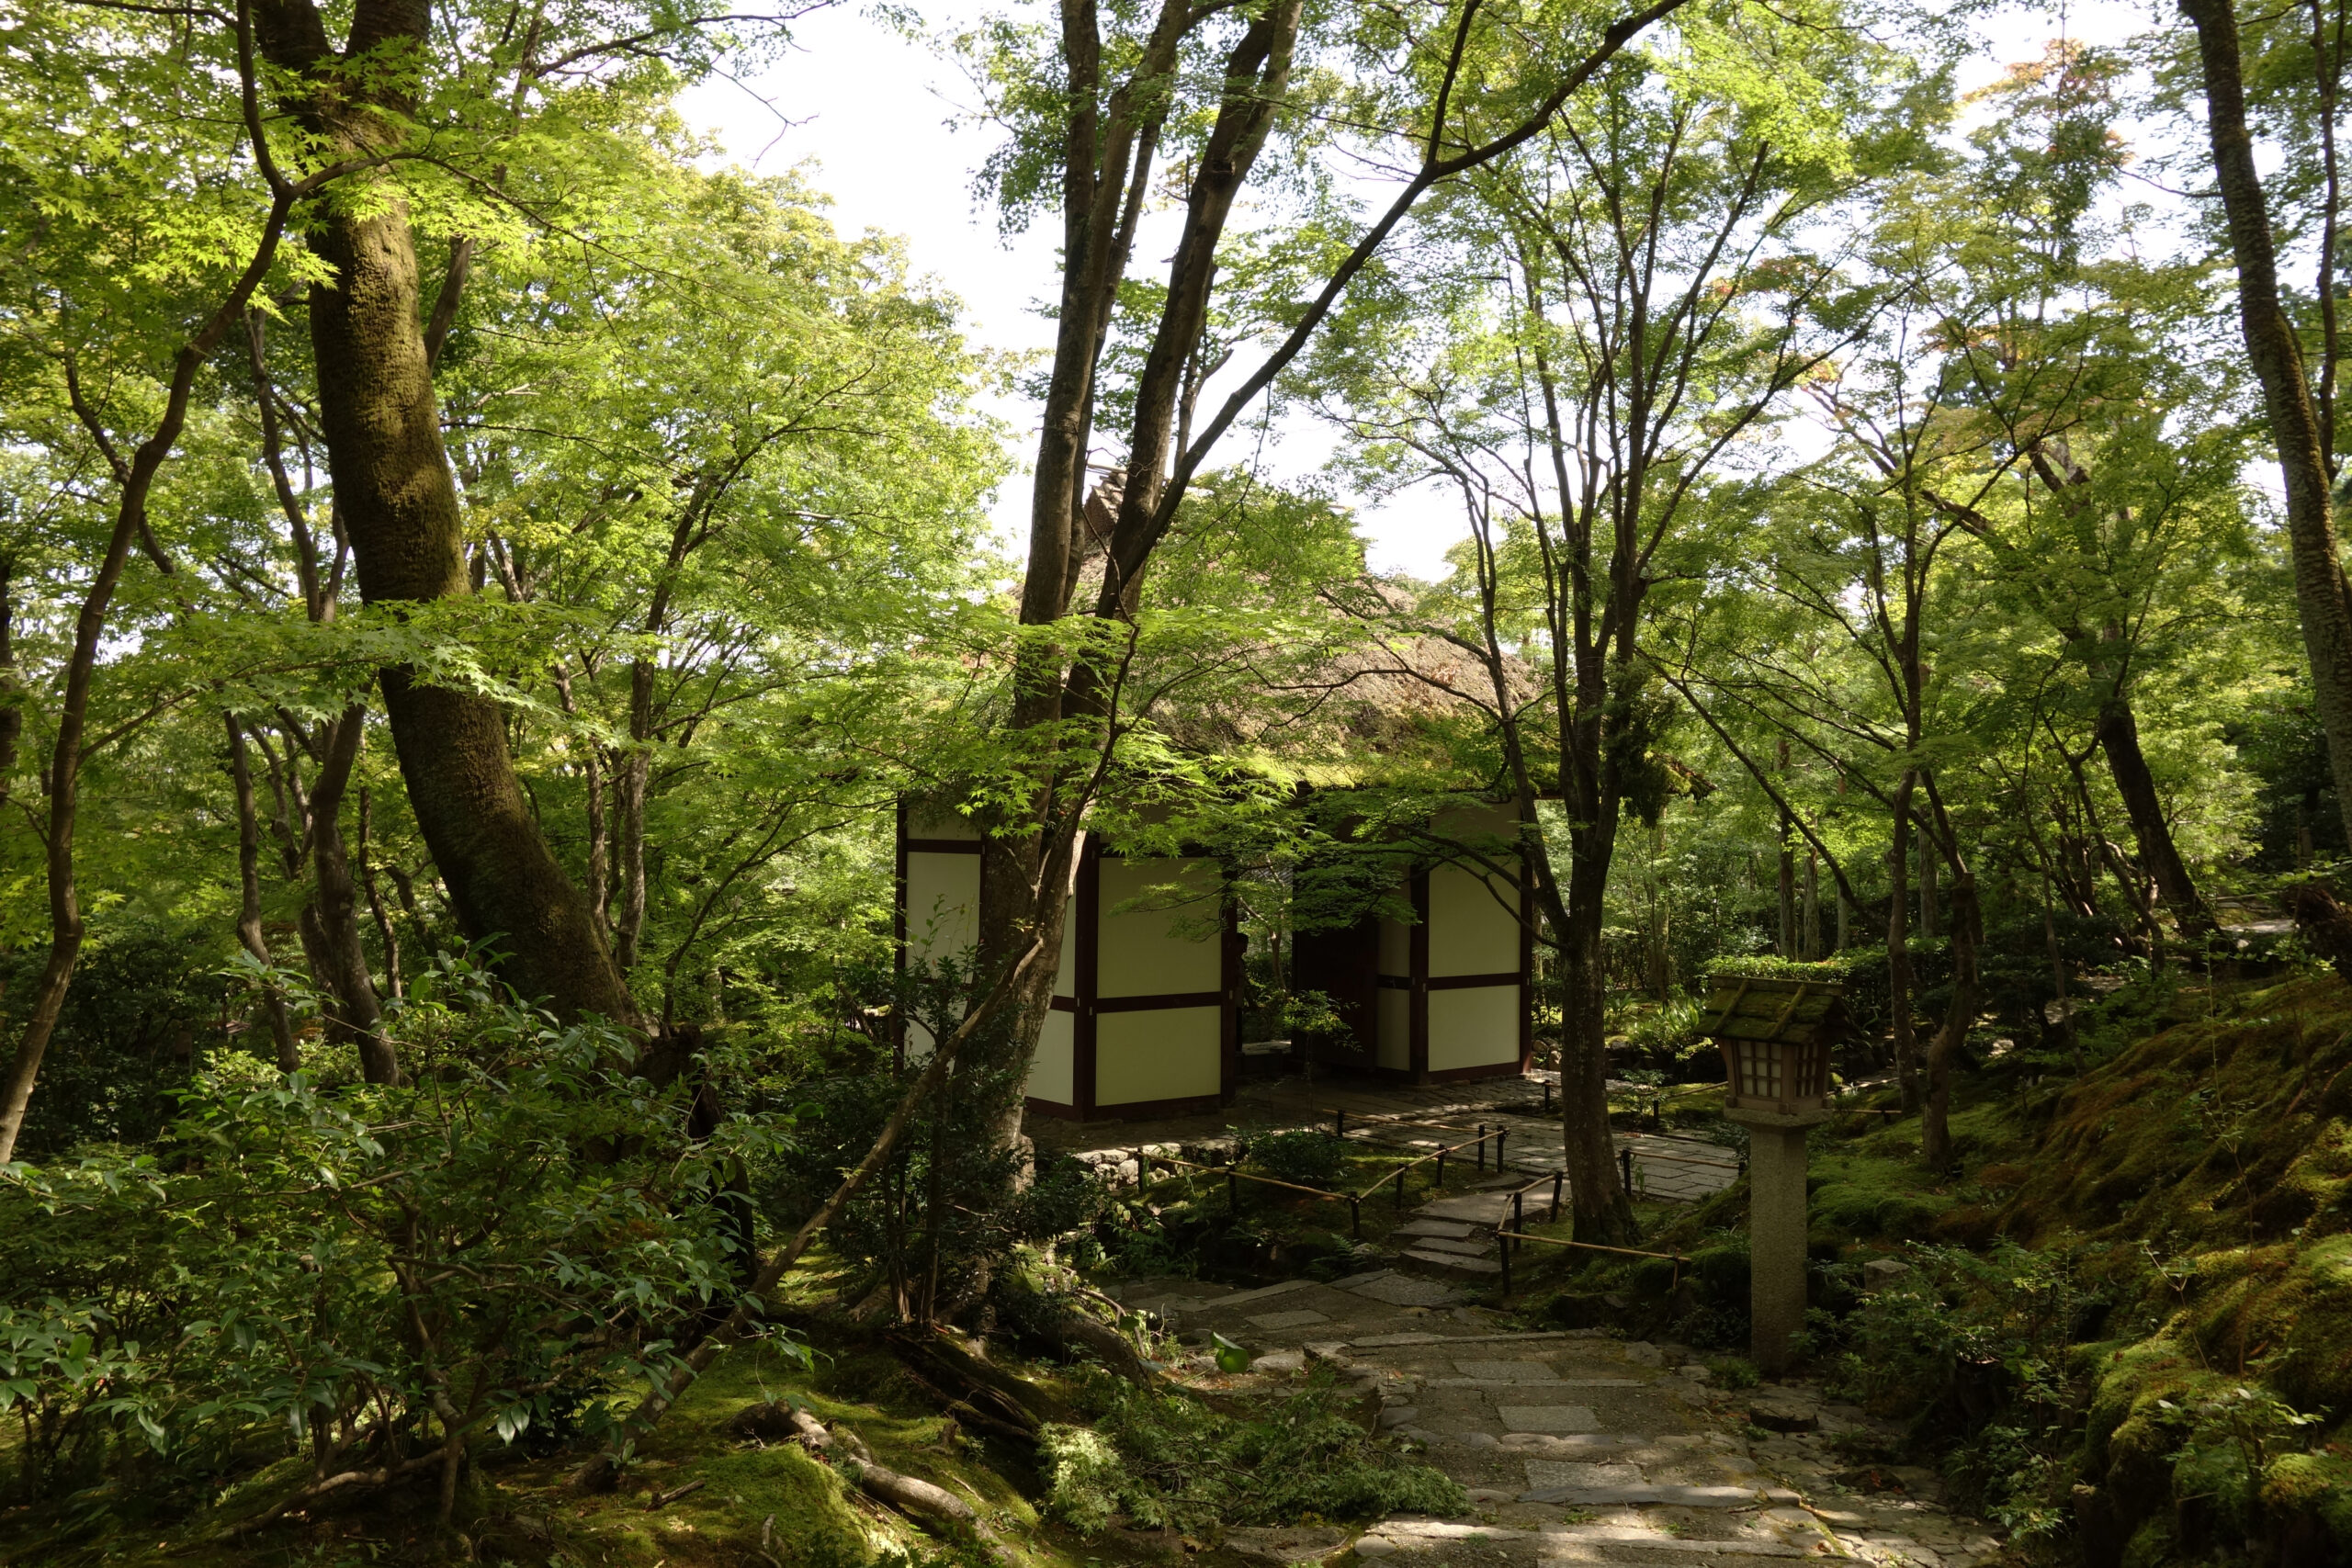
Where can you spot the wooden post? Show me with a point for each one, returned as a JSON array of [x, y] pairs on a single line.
[[1232, 1189], [1558, 1177], [1482, 1148], [1355, 1218]]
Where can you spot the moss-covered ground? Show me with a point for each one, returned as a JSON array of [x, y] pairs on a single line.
[[2125, 1322]]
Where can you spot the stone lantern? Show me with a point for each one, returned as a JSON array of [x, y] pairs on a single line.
[[1775, 1037]]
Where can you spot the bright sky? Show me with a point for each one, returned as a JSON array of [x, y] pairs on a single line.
[[880, 122]]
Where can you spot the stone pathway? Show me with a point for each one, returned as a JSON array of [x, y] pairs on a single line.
[[1575, 1447]]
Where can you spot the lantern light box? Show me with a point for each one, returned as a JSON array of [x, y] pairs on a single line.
[[1775, 1037]]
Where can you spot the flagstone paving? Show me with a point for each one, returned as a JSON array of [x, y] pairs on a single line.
[[1575, 1447]]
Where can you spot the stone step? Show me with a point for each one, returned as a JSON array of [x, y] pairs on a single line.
[[1456, 1246], [1418, 1226], [1572, 1543], [1450, 1265]]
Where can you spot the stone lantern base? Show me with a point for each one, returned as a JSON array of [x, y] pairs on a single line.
[[1776, 1228]]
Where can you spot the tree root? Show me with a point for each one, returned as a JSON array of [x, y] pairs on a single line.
[[918, 1499]]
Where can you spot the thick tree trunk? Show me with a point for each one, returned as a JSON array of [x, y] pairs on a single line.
[[399, 503], [2322, 595], [2119, 737], [400, 506]]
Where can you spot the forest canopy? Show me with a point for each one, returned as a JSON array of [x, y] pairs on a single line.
[[487, 579]]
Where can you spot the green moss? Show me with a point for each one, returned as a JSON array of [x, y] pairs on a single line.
[[2318, 1484]]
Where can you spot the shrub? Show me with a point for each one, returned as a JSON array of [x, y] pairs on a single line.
[[1307, 1156], [373, 1278]]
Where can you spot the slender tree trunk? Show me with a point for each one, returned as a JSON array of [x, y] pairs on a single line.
[[1931, 923], [1900, 984], [1809, 911], [636, 773], [249, 929], [2322, 595], [1602, 1210], [1967, 1000], [382, 917], [1785, 886], [67, 926], [357, 1016], [2119, 737]]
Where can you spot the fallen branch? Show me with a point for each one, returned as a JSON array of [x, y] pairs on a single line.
[[598, 1472], [660, 1500], [911, 1495]]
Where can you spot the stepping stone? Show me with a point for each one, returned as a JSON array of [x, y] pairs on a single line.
[[1455, 1246], [1398, 1341], [1273, 1320], [1241, 1298], [1543, 1472], [1593, 1544], [1398, 1290], [1549, 1418], [1508, 1372], [1287, 1545], [1450, 1228], [1632, 1494], [1545, 1384]]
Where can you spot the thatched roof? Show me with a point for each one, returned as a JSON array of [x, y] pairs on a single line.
[[1797, 1012]]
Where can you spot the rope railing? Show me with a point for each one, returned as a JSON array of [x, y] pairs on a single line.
[[1505, 1240], [1233, 1176]]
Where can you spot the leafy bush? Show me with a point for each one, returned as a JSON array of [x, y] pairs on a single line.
[[1162, 1458], [368, 1279], [1307, 1156]]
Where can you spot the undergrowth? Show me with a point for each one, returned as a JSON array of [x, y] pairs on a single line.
[[1160, 1458]]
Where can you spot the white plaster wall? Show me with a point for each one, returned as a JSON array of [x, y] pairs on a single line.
[[1476, 1026], [1473, 930], [1165, 946], [1162, 1053], [1052, 1074], [1394, 1048]]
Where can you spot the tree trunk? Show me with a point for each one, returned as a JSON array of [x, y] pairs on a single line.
[[357, 1016], [1785, 885], [2322, 595], [1899, 981], [1931, 922], [249, 928], [1809, 908], [1967, 998], [382, 917], [2119, 737], [1602, 1210], [399, 502]]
